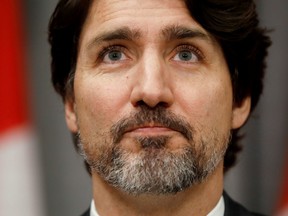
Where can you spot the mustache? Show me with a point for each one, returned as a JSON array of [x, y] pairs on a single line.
[[146, 115]]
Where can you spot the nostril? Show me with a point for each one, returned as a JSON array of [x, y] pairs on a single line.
[[163, 104], [140, 103], [159, 104]]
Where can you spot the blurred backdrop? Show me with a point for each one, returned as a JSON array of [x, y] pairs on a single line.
[[64, 187]]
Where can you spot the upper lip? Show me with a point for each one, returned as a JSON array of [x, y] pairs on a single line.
[[147, 125]]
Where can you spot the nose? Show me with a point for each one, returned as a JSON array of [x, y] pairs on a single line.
[[153, 84]]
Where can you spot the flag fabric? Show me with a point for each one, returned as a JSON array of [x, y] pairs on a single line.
[[283, 205], [20, 192]]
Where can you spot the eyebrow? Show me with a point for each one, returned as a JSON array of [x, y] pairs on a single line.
[[169, 33], [177, 32], [124, 33]]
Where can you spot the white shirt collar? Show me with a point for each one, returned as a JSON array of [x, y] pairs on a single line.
[[217, 211], [219, 208], [93, 211]]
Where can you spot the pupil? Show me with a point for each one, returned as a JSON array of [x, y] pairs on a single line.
[[115, 55], [185, 56]]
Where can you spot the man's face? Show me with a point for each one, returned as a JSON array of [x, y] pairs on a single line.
[[152, 96]]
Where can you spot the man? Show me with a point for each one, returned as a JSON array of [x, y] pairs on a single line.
[[155, 92]]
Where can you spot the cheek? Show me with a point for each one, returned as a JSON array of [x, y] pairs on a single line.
[[98, 103], [209, 105]]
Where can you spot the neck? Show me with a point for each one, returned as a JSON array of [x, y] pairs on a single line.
[[197, 200]]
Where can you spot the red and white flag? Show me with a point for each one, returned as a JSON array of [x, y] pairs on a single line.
[[283, 205], [20, 191]]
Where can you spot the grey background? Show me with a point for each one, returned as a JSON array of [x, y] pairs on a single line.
[[255, 181]]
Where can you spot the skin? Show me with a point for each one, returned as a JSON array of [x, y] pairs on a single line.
[[151, 71]]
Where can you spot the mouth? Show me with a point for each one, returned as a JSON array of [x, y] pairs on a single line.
[[151, 123], [150, 129]]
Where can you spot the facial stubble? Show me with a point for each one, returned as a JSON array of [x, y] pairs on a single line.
[[154, 169]]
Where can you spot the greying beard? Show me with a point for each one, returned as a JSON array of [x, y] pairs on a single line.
[[155, 169]]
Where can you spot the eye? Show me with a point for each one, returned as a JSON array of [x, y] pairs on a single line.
[[185, 56], [112, 54], [187, 53]]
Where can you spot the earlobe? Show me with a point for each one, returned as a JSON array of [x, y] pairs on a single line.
[[241, 113], [70, 116]]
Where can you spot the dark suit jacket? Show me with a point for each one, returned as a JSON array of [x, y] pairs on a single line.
[[232, 208]]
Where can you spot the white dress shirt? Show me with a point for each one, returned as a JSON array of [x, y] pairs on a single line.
[[217, 211]]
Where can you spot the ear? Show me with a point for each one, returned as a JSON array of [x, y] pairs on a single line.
[[240, 113], [70, 115]]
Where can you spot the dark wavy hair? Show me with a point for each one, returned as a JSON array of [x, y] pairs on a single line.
[[233, 23]]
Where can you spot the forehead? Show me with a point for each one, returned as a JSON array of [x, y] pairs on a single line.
[[149, 16]]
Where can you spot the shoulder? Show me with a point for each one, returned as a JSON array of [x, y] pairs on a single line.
[[233, 208], [86, 213]]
